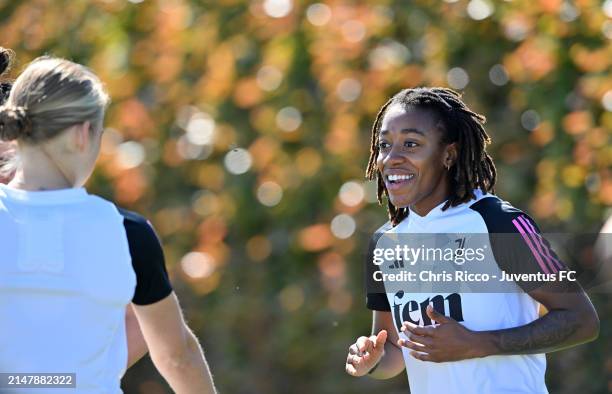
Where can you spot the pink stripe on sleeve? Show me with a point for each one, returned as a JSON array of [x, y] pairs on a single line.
[[533, 235], [537, 255], [546, 250]]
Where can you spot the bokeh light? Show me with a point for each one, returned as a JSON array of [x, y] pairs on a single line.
[[388, 54], [353, 31], [457, 78], [530, 119], [569, 12], [130, 154], [318, 14], [238, 161], [479, 9], [343, 226], [288, 119], [349, 89], [269, 78], [277, 8], [498, 75], [269, 193], [200, 129], [198, 265], [607, 8], [351, 193]]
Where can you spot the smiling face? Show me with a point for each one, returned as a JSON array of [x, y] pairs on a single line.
[[412, 158]]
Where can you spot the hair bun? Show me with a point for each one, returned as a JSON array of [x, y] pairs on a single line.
[[14, 123]]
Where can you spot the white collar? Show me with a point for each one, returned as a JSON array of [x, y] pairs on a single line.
[[43, 197]]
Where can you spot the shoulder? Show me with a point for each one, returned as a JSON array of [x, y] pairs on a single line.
[[501, 217], [135, 220], [99, 204], [133, 217], [376, 298], [152, 282], [379, 233], [96, 208], [139, 229], [384, 228]]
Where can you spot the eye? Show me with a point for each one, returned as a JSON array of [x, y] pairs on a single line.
[[384, 145], [410, 144]]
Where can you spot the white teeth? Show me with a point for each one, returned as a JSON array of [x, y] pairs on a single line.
[[395, 178]]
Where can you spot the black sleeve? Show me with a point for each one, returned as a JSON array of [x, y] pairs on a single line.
[[517, 243], [376, 297], [152, 282], [378, 302]]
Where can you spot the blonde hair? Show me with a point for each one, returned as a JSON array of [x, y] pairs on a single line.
[[51, 95]]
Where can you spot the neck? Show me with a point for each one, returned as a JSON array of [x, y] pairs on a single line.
[[38, 171], [435, 198]]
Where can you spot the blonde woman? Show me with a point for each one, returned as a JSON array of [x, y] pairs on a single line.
[[72, 262]]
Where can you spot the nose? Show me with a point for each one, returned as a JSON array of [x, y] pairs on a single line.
[[394, 157]]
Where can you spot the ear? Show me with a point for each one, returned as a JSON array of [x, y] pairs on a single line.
[[82, 136], [451, 152]]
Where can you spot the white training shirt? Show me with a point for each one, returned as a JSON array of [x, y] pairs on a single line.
[[68, 269], [476, 311]]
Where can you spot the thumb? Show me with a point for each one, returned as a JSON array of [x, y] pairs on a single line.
[[381, 338], [437, 316]]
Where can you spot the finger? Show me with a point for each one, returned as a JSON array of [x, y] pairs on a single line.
[[362, 343], [421, 340], [375, 341], [418, 330], [438, 317], [412, 345], [380, 339], [351, 370], [422, 356], [353, 349], [372, 347], [353, 360]]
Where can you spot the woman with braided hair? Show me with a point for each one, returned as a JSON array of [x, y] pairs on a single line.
[[429, 159], [73, 262]]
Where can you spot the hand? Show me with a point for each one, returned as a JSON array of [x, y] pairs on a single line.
[[365, 354], [446, 341]]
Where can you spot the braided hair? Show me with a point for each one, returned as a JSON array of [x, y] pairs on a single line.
[[473, 169]]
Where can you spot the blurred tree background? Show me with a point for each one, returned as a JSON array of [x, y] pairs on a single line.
[[241, 129]]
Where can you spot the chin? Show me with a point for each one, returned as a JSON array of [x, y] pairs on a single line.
[[401, 201]]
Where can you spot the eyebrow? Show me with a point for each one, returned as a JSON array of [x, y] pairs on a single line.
[[405, 131]]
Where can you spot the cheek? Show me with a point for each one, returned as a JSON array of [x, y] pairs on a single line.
[[430, 161], [380, 158]]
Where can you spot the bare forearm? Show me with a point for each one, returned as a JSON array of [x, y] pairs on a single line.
[[137, 347], [391, 363], [558, 329], [189, 373]]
